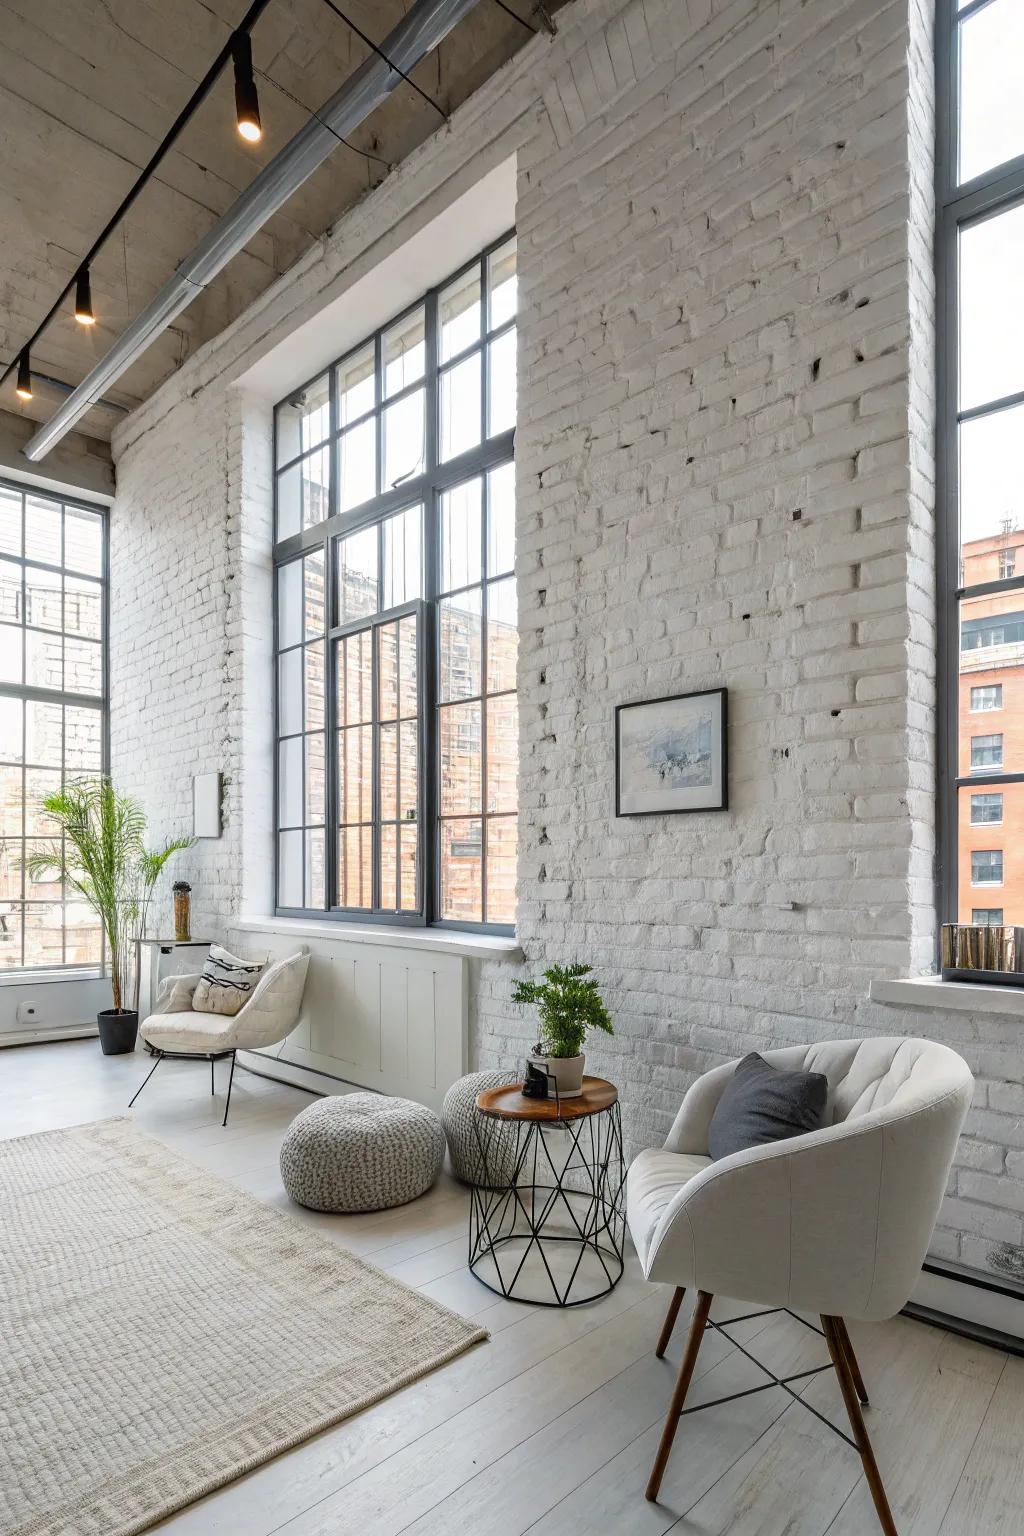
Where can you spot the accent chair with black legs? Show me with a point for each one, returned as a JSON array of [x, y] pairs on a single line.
[[836, 1222], [268, 1016]]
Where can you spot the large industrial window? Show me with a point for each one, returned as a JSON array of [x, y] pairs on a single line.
[[981, 428], [52, 711], [396, 632]]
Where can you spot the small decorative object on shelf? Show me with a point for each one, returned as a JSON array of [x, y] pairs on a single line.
[[536, 1083], [985, 952], [569, 1005], [182, 912]]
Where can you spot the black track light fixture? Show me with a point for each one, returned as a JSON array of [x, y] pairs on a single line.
[[83, 299], [23, 389], [247, 102]]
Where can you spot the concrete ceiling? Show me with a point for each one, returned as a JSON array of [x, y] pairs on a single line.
[[88, 88]]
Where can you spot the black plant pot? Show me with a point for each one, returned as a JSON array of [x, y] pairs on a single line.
[[119, 1029]]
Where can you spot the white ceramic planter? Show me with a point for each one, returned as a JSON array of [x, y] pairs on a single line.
[[567, 1072]]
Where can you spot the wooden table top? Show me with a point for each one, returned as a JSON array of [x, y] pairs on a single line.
[[508, 1103]]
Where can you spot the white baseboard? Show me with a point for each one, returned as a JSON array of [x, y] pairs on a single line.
[[58, 1032], [985, 1307]]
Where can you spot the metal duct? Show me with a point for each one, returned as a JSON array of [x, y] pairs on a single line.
[[425, 26]]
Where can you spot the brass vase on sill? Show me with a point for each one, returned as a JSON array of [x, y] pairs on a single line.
[[182, 912]]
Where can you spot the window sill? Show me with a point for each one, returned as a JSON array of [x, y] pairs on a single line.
[[475, 946], [42, 978], [958, 996]]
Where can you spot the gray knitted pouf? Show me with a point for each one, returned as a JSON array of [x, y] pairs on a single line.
[[361, 1152], [457, 1115]]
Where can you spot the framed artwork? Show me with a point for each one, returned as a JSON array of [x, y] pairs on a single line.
[[671, 754]]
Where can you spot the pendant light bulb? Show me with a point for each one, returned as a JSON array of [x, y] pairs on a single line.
[[247, 102], [83, 299], [23, 389]]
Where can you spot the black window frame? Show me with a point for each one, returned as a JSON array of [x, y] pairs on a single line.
[[64, 697], [958, 206], [425, 489]]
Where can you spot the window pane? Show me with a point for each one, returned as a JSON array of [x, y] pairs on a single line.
[[44, 886], [408, 850], [357, 575], [313, 594], [986, 752], [408, 796], [987, 866], [12, 730], [356, 393], [355, 679], [44, 934], [355, 867], [389, 772], [289, 693], [458, 313], [501, 383], [502, 753], [44, 725], [11, 925], [11, 873], [43, 598], [387, 672], [40, 782], [460, 407], [987, 917], [83, 541], [502, 635], [10, 522], [404, 439], [403, 558], [460, 744], [289, 783], [289, 604], [502, 835], [83, 739], [991, 493], [11, 811], [991, 660], [988, 696], [83, 942], [304, 421], [316, 883], [44, 660], [986, 810], [313, 671], [12, 642], [991, 102], [461, 871], [460, 536], [501, 278], [408, 668], [289, 869], [315, 780], [991, 323], [303, 494], [403, 353], [12, 596], [355, 773], [389, 867], [42, 530], [460, 631], [83, 666], [501, 520], [83, 607], [357, 466]]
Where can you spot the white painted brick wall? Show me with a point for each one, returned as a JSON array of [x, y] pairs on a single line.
[[725, 476]]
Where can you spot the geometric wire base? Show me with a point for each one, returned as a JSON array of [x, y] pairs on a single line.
[[566, 1211]]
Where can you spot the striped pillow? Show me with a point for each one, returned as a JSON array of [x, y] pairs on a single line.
[[227, 983]]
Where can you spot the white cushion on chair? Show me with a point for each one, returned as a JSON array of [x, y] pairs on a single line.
[[655, 1177], [191, 1032]]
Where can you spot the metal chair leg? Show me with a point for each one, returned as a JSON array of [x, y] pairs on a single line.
[[670, 1321], [697, 1325], [834, 1339], [145, 1080], [231, 1078], [211, 1077]]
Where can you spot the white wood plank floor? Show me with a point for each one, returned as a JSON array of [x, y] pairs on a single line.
[[552, 1425]]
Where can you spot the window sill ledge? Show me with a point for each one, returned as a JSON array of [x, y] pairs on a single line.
[[39, 977], [958, 996], [475, 946]]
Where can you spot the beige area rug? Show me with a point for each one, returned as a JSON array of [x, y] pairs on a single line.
[[162, 1332]]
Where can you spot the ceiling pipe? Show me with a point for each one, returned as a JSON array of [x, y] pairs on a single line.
[[425, 26]]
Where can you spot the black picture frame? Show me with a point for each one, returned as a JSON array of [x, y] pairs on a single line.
[[718, 788]]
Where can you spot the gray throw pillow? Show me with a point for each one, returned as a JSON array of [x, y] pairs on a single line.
[[761, 1104]]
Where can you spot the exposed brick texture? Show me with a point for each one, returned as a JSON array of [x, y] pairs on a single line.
[[725, 477]]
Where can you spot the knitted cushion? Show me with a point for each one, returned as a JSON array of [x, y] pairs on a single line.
[[361, 1152], [457, 1115]]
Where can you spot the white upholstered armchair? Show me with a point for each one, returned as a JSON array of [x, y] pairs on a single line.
[[269, 1015], [836, 1222]]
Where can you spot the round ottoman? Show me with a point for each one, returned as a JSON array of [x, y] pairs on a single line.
[[457, 1115], [361, 1152]]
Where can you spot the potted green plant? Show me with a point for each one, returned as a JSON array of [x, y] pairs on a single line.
[[101, 855], [569, 1005]]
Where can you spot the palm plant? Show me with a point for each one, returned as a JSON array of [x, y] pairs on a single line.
[[101, 855]]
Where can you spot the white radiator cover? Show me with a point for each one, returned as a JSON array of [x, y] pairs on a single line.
[[381, 1016]]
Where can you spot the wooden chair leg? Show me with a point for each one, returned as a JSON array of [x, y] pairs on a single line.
[[858, 1379], [697, 1325], [670, 1321], [834, 1338]]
